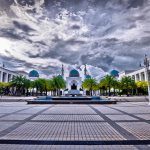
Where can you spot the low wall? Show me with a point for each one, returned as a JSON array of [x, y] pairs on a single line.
[[129, 99]]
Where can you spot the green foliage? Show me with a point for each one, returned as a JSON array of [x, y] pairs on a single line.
[[66, 90], [142, 84], [107, 83], [127, 83], [90, 84], [57, 84], [80, 89]]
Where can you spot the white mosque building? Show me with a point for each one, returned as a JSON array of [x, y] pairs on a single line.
[[74, 81]]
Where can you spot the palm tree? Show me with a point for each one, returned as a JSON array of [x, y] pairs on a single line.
[[102, 86], [41, 83], [27, 84], [89, 84], [126, 84], [57, 84], [114, 84], [17, 82], [108, 80], [35, 84]]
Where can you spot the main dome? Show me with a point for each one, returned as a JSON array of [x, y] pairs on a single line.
[[88, 77], [74, 73], [34, 73], [114, 73], [60, 76]]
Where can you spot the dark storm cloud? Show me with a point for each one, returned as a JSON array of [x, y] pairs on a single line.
[[102, 61], [14, 63], [23, 27], [72, 58], [93, 32], [74, 42], [50, 70], [32, 11], [41, 42], [10, 33], [56, 39], [26, 2], [62, 51], [33, 56], [135, 3], [75, 27]]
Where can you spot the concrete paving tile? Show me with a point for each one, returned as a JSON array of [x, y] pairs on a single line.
[[141, 130], [68, 118], [121, 117]]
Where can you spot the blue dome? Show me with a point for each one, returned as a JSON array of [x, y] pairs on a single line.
[[114, 73], [74, 73], [87, 77], [34, 73], [60, 76]]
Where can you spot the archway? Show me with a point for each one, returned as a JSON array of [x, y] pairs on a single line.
[[73, 87]]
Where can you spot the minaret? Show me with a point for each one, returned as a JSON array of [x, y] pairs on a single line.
[[62, 71], [3, 65], [85, 70]]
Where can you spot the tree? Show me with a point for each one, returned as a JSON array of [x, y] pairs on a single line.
[[142, 85], [41, 83], [57, 84], [27, 84], [114, 84], [102, 86], [127, 84], [17, 81], [90, 84], [35, 84], [108, 80]]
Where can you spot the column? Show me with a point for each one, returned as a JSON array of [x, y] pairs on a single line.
[[135, 78], [1, 79], [10, 78], [145, 75], [6, 78], [140, 76]]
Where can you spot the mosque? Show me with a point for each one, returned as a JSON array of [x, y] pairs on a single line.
[[74, 81]]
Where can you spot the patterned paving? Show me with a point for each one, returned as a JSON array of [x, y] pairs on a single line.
[[67, 127]]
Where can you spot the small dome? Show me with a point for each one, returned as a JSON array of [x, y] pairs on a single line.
[[60, 76], [114, 73], [34, 73], [88, 77], [74, 73]]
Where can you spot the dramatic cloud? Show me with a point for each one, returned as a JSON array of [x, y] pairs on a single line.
[[104, 34]]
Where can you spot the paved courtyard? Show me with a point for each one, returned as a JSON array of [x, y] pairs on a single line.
[[67, 127]]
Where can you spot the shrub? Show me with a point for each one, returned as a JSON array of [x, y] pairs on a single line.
[[66, 90]]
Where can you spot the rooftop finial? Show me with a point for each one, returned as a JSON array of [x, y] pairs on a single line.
[[3, 65]]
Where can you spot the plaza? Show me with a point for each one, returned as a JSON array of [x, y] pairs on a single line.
[[68, 127]]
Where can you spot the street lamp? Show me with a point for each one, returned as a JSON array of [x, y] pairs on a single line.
[[146, 64]]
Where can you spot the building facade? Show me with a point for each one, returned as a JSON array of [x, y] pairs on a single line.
[[6, 75], [74, 81], [137, 75]]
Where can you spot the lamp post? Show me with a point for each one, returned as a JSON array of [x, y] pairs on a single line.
[[146, 64]]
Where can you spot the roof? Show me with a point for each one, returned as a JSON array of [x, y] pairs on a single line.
[[74, 73], [87, 77], [114, 73], [33, 73], [60, 76]]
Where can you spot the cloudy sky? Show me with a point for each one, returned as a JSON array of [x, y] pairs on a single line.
[[104, 34]]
